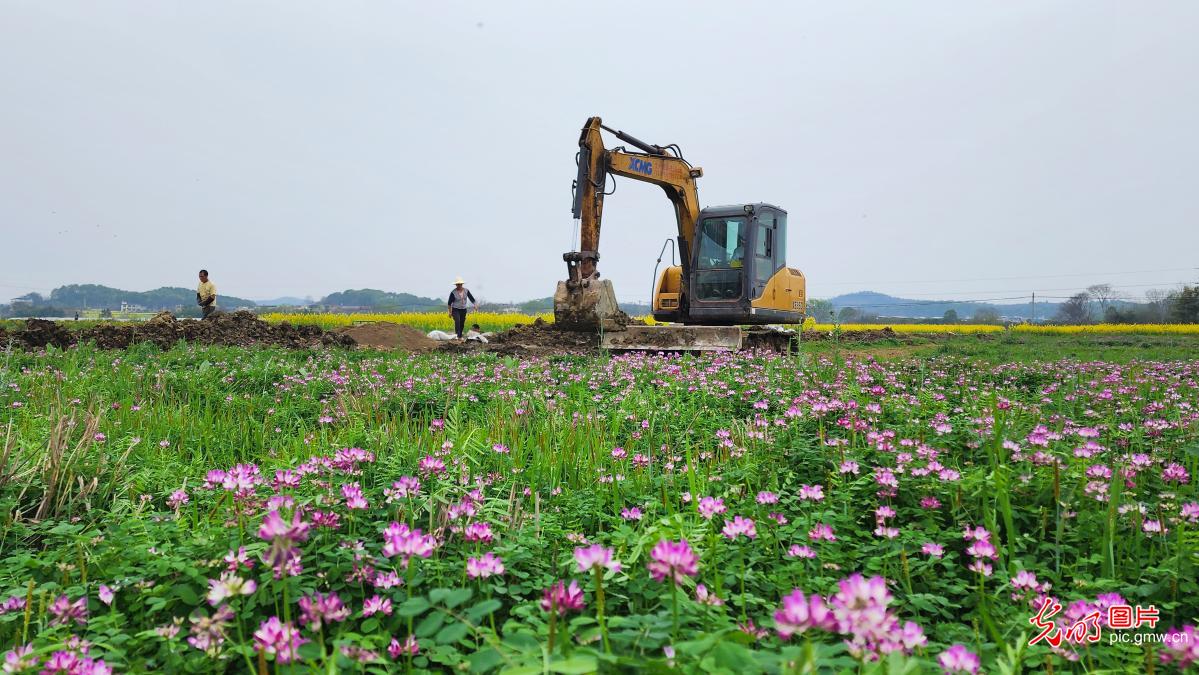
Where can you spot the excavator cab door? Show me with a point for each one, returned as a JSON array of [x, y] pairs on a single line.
[[768, 255]]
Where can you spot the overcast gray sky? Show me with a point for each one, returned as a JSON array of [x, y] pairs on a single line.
[[926, 149]]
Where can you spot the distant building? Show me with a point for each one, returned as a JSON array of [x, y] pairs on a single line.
[[21, 302]]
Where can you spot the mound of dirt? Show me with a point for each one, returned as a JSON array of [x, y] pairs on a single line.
[[387, 335], [861, 336], [536, 339], [241, 329]]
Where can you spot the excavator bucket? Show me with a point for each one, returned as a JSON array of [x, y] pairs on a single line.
[[589, 306], [670, 338]]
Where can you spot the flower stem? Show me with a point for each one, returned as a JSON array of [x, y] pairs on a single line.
[[599, 606], [674, 598]]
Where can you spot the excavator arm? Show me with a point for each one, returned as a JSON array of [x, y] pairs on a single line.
[[583, 302]]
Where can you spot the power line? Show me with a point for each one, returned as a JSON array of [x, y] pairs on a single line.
[[1035, 276]]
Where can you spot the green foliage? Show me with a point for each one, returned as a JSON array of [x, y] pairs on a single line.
[[99, 441]]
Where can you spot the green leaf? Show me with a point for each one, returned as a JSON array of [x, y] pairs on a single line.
[[577, 665], [452, 633], [457, 597], [523, 642], [733, 656], [485, 660], [413, 607], [186, 594], [370, 625], [484, 608], [430, 624]]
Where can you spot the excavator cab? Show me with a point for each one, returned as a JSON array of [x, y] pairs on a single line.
[[739, 272]]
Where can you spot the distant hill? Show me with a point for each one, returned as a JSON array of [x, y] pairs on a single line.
[[871, 302], [286, 301], [92, 296], [381, 300], [546, 304]]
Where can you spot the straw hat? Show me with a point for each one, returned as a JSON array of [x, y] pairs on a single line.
[[458, 281]]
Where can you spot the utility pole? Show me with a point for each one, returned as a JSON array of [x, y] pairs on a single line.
[[1034, 308]]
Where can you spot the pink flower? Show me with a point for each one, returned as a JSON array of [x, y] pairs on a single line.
[[703, 597], [375, 605], [631, 513], [19, 659], [767, 498], [106, 595], [821, 531], [814, 493], [65, 611], [229, 586], [409, 646], [406, 486], [798, 551], [1181, 647], [673, 559], [235, 560], [318, 609], [800, 613], [480, 532], [399, 539], [958, 659], [486, 566], [739, 526], [281, 639], [594, 556], [177, 499], [561, 598], [283, 555], [933, 550], [710, 506], [353, 494], [431, 466]]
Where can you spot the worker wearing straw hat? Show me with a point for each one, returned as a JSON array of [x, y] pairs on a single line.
[[460, 297]]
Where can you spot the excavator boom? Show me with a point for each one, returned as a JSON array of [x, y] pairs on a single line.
[[585, 302]]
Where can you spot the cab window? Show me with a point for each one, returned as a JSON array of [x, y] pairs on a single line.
[[722, 242]]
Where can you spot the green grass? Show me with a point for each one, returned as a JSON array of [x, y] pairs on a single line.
[[1032, 437]]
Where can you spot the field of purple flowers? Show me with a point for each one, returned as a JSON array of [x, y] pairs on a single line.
[[235, 510]]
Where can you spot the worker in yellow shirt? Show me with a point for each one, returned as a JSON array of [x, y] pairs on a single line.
[[206, 295]]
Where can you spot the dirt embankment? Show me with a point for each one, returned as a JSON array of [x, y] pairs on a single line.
[[241, 329], [855, 335], [387, 335], [536, 339]]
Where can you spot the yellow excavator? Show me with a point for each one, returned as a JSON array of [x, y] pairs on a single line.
[[733, 269]]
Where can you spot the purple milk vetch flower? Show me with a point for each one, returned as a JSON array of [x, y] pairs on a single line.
[[801, 613], [561, 598], [487, 565], [589, 557], [279, 638], [673, 559], [958, 659]]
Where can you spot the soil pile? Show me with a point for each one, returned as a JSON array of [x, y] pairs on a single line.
[[387, 335], [856, 335], [536, 339], [241, 329]]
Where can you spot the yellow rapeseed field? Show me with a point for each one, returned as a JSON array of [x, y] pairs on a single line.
[[492, 321], [426, 321]]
